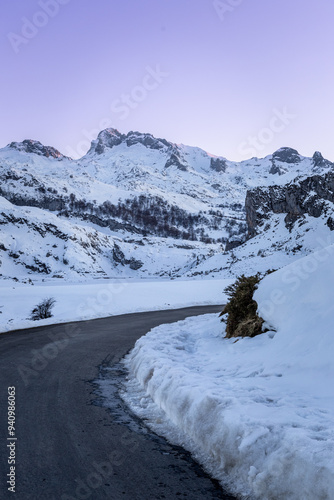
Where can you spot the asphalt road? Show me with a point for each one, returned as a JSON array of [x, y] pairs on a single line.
[[68, 447]]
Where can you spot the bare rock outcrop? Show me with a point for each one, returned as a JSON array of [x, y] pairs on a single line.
[[313, 195]]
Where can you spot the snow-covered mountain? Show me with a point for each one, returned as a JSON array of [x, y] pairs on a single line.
[[285, 222], [134, 204]]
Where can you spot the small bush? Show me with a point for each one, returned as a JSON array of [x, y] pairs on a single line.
[[43, 310], [242, 320]]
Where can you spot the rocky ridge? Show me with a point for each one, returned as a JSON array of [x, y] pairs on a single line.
[[312, 195]]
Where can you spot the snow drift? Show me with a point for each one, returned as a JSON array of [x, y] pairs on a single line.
[[258, 413]]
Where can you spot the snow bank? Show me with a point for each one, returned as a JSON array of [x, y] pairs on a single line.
[[108, 298], [258, 413]]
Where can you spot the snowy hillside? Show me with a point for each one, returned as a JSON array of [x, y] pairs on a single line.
[[135, 204], [257, 412], [37, 244], [285, 222], [274, 247]]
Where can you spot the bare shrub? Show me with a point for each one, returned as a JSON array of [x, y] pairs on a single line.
[[43, 310]]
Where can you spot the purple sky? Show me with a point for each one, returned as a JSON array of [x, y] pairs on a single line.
[[241, 82]]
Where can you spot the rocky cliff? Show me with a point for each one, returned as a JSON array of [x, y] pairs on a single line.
[[312, 195]]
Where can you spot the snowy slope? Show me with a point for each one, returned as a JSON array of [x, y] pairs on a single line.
[[37, 245], [137, 164], [136, 186], [258, 413], [285, 222], [274, 247], [180, 174]]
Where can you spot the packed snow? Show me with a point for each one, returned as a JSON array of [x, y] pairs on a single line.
[[78, 302], [258, 413]]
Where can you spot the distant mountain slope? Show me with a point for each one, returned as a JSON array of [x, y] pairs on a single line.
[[311, 195], [35, 243], [146, 174], [134, 186], [285, 223]]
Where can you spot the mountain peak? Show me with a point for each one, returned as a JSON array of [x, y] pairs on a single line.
[[111, 137], [147, 140], [286, 155], [110, 131], [107, 138], [36, 147], [319, 160]]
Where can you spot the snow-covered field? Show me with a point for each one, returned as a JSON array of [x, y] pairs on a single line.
[[258, 413], [104, 298]]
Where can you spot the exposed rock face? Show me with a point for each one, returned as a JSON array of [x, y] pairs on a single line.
[[175, 160], [275, 169], [29, 146], [119, 258], [233, 243], [52, 203], [313, 196], [319, 161], [218, 164], [108, 138], [112, 224], [146, 140], [111, 137], [286, 155]]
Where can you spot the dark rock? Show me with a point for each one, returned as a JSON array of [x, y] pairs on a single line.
[[286, 155], [320, 162], [218, 164], [330, 223], [135, 264], [174, 160], [275, 169], [233, 243], [108, 138], [119, 258], [307, 196], [35, 147], [111, 137], [146, 140], [118, 255]]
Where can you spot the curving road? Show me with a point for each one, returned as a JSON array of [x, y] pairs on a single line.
[[69, 448]]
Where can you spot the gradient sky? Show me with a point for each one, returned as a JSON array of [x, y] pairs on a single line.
[[226, 78]]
